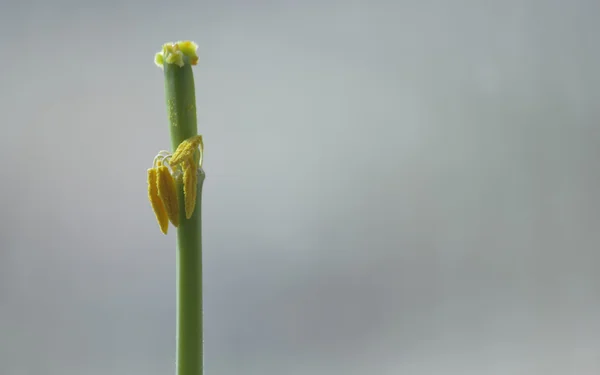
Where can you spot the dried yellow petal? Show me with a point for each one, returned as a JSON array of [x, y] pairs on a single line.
[[190, 183], [186, 150], [168, 193], [157, 204]]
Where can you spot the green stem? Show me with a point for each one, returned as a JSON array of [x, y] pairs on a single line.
[[181, 107]]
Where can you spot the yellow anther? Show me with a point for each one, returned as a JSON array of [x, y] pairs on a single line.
[[186, 150], [162, 188], [190, 183], [157, 204], [168, 193]]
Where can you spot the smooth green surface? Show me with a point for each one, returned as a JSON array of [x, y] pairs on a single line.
[[181, 107], [181, 103]]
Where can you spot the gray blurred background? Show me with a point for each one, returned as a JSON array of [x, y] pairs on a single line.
[[392, 188]]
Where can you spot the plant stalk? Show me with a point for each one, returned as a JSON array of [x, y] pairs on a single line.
[[181, 107]]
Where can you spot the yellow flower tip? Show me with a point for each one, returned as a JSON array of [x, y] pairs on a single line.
[[157, 204], [175, 57], [190, 184], [173, 53], [168, 193], [188, 48]]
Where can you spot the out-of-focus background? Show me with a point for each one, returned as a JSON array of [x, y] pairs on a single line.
[[406, 187]]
